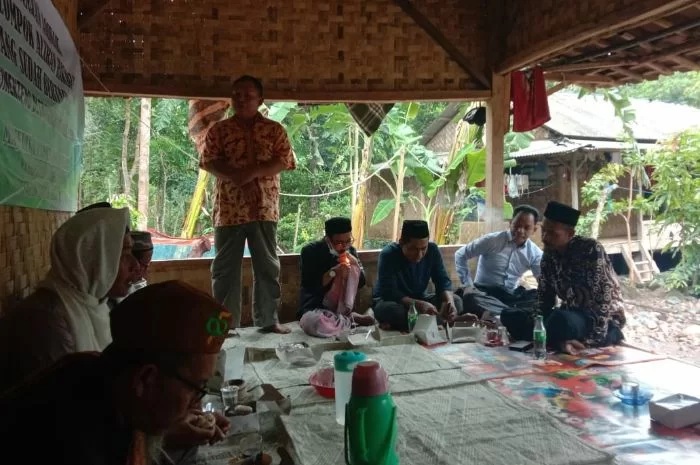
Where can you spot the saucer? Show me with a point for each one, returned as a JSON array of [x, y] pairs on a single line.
[[643, 396]]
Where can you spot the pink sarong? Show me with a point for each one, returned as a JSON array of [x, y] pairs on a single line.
[[339, 302]]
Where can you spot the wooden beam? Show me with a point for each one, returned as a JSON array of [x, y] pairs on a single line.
[[630, 74], [681, 60], [635, 13], [579, 78], [439, 38], [68, 9], [497, 124], [90, 12], [557, 87], [92, 88], [643, 42], [657, 67], [589, 66]]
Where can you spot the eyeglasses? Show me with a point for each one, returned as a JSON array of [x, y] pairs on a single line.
[[201, 392], [346, 243]]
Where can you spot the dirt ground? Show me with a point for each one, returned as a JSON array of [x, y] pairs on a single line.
[[665, 322]]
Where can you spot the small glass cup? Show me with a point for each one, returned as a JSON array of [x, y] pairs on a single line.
[[229, 395]]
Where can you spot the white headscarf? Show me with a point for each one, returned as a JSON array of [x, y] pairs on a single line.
[[85, 255]]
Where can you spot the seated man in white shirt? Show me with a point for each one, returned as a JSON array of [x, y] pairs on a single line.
[[503, 258]]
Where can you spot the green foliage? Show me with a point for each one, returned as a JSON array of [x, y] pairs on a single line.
[[123, 201], [593, 190], [676, 198], [683, 88], [382, 210]]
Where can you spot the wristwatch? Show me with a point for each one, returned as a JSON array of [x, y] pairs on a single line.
[[331, 273]]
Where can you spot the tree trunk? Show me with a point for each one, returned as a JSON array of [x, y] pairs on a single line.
[[399, 192], [628, 218], [313, 165], [595, 226], [359, 210], [126, 179], [144, 154]]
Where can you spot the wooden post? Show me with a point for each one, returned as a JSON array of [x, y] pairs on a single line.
[[68, 9], [497, 123], [574, 182]]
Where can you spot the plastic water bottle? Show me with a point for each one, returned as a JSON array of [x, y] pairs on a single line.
[[539, 339], [412, 316], [344, 363]]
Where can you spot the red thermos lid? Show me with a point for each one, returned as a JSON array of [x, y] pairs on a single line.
[[369, 379]]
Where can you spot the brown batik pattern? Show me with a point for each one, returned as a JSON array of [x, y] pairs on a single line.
[[243, 147], [583, 278]]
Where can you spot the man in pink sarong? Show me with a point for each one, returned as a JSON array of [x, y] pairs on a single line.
[[331, 275]]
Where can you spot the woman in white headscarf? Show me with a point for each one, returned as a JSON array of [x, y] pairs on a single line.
[[90, 261]]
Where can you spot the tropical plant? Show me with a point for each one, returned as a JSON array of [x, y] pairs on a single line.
[[676, 200]]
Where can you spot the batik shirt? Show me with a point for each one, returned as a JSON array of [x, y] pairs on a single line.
[[242, 147], [583, 278]]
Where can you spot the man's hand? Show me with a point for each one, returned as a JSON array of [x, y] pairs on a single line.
[[222, 427], [426, 307], [195, 429], [449, 311], [341, 270], [572, 347], [242, 176], [471, 290]]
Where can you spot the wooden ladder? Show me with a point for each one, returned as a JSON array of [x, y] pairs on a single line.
[[642, 270]]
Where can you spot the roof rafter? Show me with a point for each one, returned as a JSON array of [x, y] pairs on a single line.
[[439, 38], [635, 13], [89, 12]]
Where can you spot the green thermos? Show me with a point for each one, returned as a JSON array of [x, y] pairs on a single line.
[[370, 418]]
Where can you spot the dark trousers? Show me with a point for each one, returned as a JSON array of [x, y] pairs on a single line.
[[395, 314], [519, 298], [497, 300], [562, 325]]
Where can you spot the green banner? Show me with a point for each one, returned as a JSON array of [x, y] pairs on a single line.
[[42, 111]]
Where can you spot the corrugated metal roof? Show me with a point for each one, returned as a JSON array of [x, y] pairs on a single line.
[[547, 147], [593, 117]]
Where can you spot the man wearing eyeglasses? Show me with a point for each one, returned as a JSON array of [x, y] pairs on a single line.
[[331, 275], [116, 407]]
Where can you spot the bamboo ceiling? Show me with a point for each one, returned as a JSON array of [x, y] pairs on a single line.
[[302, 49], [380, 50]]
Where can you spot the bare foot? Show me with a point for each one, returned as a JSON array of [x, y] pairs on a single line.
[[363, 320], [276, 328]]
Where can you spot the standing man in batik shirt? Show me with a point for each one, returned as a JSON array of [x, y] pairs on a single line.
[[246, 153], [578, 271]]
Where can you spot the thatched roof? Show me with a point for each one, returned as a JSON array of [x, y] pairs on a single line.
[[379, 50]]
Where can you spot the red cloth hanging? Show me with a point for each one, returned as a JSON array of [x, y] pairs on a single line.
[[528, 93]]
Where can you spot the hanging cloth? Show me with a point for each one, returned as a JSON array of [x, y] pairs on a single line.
[[528, 93]]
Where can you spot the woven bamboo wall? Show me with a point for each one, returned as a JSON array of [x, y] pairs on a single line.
[[25, 236], [196, 272], [303, 50], [535, 21]]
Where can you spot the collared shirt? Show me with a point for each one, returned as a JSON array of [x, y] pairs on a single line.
[[243, 147], [501, 262], [398, 278], [315, 260], [583, 278]]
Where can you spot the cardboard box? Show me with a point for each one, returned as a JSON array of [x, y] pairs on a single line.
[[676, 411]]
